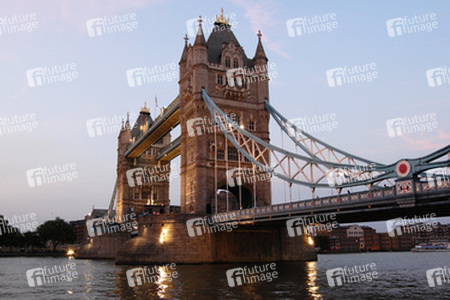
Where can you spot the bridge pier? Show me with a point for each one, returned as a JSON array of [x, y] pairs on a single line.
[[165, 239]]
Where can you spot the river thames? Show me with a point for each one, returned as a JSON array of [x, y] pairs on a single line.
[[400, 275]]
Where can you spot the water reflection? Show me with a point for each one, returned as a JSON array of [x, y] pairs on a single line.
[[311, 272]]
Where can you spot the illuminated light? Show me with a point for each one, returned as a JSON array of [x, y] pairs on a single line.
[[242, 126], [70, 252], [310, 241], [163, 235]]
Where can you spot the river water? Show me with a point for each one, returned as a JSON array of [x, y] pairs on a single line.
[[399, 275]]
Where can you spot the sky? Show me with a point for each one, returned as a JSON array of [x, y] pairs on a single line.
[[46, 124]]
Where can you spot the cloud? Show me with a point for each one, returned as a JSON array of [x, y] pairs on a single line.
[[71, 13], [431, 143], [261, 16]]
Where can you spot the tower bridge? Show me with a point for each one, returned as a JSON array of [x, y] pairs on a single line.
[[213, 87]]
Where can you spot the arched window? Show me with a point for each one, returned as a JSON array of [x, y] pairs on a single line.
[[235, 118], [235, 63], [227, 62]]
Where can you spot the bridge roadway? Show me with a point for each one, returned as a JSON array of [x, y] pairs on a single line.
[[377, 205]]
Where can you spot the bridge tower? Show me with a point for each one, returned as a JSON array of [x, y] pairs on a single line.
[[239, 86], [138, 179]]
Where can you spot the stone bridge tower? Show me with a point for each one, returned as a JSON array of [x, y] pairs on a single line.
[[206, 64], [141, 182]]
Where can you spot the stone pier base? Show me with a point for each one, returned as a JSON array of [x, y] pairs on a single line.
[[165, 239]]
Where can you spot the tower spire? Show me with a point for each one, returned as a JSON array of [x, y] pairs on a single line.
[[260, 53], [200, 38]]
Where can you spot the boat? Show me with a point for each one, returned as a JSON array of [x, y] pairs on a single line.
[[431, 248]]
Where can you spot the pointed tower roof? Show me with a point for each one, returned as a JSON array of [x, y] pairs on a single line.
[[185, 50], [222, 34], [260, 53], [200, 38], [143, 122]]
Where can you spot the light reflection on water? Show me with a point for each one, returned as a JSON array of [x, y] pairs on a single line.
[[401, 276]]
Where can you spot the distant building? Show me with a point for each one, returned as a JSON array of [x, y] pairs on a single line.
[[79, 227]]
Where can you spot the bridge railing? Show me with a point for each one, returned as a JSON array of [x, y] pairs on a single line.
[[334, 201]]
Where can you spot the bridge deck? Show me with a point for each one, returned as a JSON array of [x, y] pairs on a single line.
[[375, 205]]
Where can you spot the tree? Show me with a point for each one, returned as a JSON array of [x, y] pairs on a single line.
[[32, 239], [9, 235], [57, 232]]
